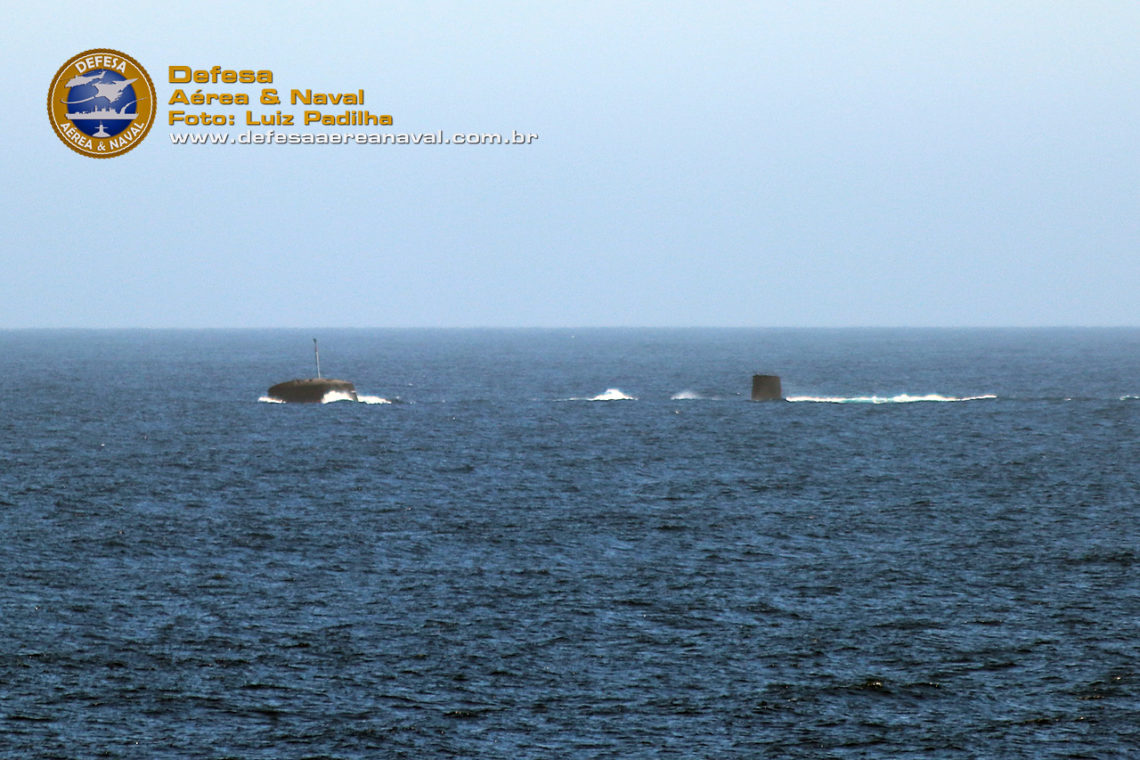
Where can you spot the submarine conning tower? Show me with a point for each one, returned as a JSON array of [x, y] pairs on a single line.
[[311, 390], [767, 388]]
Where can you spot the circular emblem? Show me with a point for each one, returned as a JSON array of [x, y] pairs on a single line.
[[101, 103]]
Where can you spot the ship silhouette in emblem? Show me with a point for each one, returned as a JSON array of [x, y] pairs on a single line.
[[311, 390]]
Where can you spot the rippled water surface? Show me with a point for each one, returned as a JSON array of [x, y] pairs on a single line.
[[571, 544]]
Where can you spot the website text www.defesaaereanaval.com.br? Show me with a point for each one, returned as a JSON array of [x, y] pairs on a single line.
[[276, 137]]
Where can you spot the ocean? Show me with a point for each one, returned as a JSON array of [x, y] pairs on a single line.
[[571, 544]]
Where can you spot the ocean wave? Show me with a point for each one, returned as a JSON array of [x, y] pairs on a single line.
[[902, 398], [364, 399], [686, 396], [270, 400]]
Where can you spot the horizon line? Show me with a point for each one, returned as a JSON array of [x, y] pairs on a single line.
[[574, 327]]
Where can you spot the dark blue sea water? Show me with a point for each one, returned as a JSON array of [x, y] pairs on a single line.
[[494, 566]]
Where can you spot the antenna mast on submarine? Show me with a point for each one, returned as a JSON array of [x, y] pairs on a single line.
[[317, 354]]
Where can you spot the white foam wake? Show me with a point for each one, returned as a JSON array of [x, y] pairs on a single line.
[[610, 394], [332, 396], [686, 396], [902, 398]]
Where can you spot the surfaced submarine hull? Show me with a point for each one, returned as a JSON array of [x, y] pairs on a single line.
[[310, 390]]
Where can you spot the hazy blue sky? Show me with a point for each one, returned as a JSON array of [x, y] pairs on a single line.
[[699, 163]]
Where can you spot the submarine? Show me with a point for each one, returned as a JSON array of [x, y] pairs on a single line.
[[311, 390]]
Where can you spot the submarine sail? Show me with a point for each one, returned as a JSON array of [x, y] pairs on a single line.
[[311, 390]]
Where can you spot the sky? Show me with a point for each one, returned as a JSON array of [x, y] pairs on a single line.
[[755, 164]]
